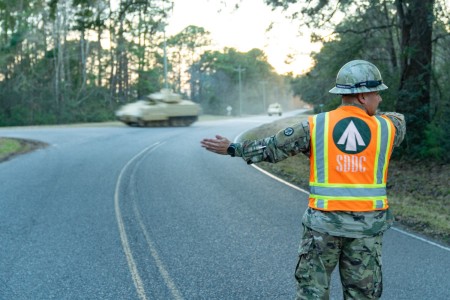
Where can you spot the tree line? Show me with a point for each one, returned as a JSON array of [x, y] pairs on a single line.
[[64, 61], [407, 39]]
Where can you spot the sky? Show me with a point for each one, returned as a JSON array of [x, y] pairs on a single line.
[[245, 29]]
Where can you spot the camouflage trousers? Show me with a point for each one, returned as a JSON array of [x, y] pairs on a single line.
[[359, 262]]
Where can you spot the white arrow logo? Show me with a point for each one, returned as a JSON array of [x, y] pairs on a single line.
[[352, 136]]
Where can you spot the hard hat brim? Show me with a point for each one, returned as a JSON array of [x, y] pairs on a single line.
[[358, 90]]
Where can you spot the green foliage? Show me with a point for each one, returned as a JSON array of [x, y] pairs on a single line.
[[148, 82], [418, 85], [52, 71], [349, 44], [240, 80], [436, 143], [55, 68], [184, 51], [192, 38]]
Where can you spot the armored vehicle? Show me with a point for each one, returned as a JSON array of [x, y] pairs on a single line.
[[163, 108]]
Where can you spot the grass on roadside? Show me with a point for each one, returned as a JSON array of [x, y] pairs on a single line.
[[10, 147], [418, 192]]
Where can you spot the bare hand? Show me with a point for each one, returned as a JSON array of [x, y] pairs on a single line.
[[218, 145]]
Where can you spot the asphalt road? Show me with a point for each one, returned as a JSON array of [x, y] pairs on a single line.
[[146, 213]]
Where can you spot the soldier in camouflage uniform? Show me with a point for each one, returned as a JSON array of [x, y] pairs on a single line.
[[348, 238]]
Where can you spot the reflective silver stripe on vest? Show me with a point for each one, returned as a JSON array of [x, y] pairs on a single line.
[[383, 148], [347, 192], [379, 204], [320, 148], [321, 204]]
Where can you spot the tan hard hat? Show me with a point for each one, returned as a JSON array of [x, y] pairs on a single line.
[[358, 76]]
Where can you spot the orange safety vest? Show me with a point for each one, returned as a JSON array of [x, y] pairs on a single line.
[[350, 154]]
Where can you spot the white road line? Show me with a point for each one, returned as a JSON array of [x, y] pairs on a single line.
[[421, 239], [123, 234], [126, 247], [280, 180], [159, 263], [394, 228]]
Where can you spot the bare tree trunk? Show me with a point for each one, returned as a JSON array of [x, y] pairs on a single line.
[[416, 18], [57, 49], [99, 58], [84, 50], [100, 23], [60, 37], [391, 47], [112, 63], [122, 62]]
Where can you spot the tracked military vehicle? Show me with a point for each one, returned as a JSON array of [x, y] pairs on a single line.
[[160, 109]]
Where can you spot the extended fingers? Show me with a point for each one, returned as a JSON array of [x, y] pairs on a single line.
[[217, 145]]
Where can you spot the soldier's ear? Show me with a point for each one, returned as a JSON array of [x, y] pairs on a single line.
[[360, 98]]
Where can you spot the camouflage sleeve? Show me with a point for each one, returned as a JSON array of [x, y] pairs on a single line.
[[287, 142], [399, 124]]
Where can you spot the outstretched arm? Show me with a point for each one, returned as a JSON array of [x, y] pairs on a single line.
[[285, 143]]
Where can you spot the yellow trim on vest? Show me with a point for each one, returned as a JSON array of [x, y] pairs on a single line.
[[324, 201], [314, 132], [388, 149], [349, 185], [377, 155], [359, 198], [325, 146]]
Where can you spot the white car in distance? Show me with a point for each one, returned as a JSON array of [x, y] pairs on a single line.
[[275, 109]]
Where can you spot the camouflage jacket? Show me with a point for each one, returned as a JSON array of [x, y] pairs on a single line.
[[296, 139]]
